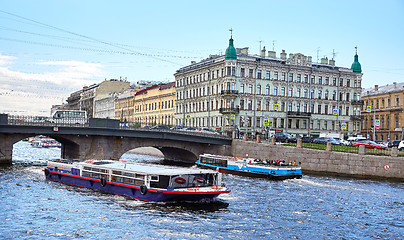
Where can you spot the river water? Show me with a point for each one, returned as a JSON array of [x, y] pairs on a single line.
[[309, 208]]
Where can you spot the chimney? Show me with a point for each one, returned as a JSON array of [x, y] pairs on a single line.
[[263, 52], [395, 84], [309, 58], [242, 50], [283, 54], [272, 54], [290, 55], [332, 62], [376, 87], [324, 60]]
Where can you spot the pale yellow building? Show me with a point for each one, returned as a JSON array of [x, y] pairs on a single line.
[[155, 105]]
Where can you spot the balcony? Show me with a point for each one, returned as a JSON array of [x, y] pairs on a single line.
[[356, 118], [229, 93], [229, 110], [299, 114], [357, 102]]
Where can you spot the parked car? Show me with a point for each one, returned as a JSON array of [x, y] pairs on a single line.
[[344, 142], [284, 137], [307, 139], [325, 140], [394, 143], [368, 144], [385, 143]]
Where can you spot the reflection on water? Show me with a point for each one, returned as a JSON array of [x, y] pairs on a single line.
[[307, 208]]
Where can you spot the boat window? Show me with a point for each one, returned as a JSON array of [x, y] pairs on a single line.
[[163, 182], [116, 172], [128, 174], [154, 178]]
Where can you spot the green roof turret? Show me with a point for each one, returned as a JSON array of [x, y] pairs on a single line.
[[231, 51], [356, 66]]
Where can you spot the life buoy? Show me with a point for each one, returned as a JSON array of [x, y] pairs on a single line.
[[103, 182], [143, 190], [199, 180], [180, 180]]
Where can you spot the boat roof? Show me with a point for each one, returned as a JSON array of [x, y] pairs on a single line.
[[143, 168]]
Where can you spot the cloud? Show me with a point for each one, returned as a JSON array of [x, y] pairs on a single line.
[[35, 93]]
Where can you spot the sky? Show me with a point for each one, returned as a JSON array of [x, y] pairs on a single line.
[[51, 48]]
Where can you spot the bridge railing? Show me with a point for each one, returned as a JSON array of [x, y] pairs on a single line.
[[103, 123], [45, 121]]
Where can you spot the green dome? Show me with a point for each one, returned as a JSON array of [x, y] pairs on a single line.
[[356, 66], [231, 51]]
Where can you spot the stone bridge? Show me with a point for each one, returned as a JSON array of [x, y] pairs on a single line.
[[105, 139]]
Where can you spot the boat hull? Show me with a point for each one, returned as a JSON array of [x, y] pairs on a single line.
[[135, 192], [252, 174]]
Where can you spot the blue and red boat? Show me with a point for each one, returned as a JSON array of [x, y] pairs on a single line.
[[138, 181], [275, 170]]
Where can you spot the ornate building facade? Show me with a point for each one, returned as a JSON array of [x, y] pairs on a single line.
[[265, 92], [155, 105], [383, 105]]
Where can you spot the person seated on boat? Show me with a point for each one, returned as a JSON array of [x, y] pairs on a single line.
[[277, 162], [294, 163]]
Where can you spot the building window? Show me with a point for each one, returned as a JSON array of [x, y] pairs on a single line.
[[275, 91], [250, 88], [397, 121], [348, 83], [259, 89], [283, 91], [228, 71], [283, 77], [258, 105], [334, 82], [250, 73], [312, 94], [347, 111], [304, 107], [326, 95], [290, 107], [320, 80], [298, 107], [259, 75], [299, 78], [241, 104], [276, 75], [327, 81], [267, 75], [267, 90], [306, 93], [334, 95], [267, 105], [326, 109], [282, 106], [319, 109], [290, 77], [319, 94], [242, 72], [242, 88], [341, 82], [313, 80], [249, 105], [306, 79], [298, 92], [397, 101], [290, 92], [233, 71]]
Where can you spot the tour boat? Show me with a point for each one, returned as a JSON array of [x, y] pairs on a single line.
[[45, 143], [277, 170], [144, 182]]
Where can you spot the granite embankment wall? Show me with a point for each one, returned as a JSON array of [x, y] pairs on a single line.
[[337, 163]]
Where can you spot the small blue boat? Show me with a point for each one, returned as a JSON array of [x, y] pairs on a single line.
[[138, 181], [277, 170]]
